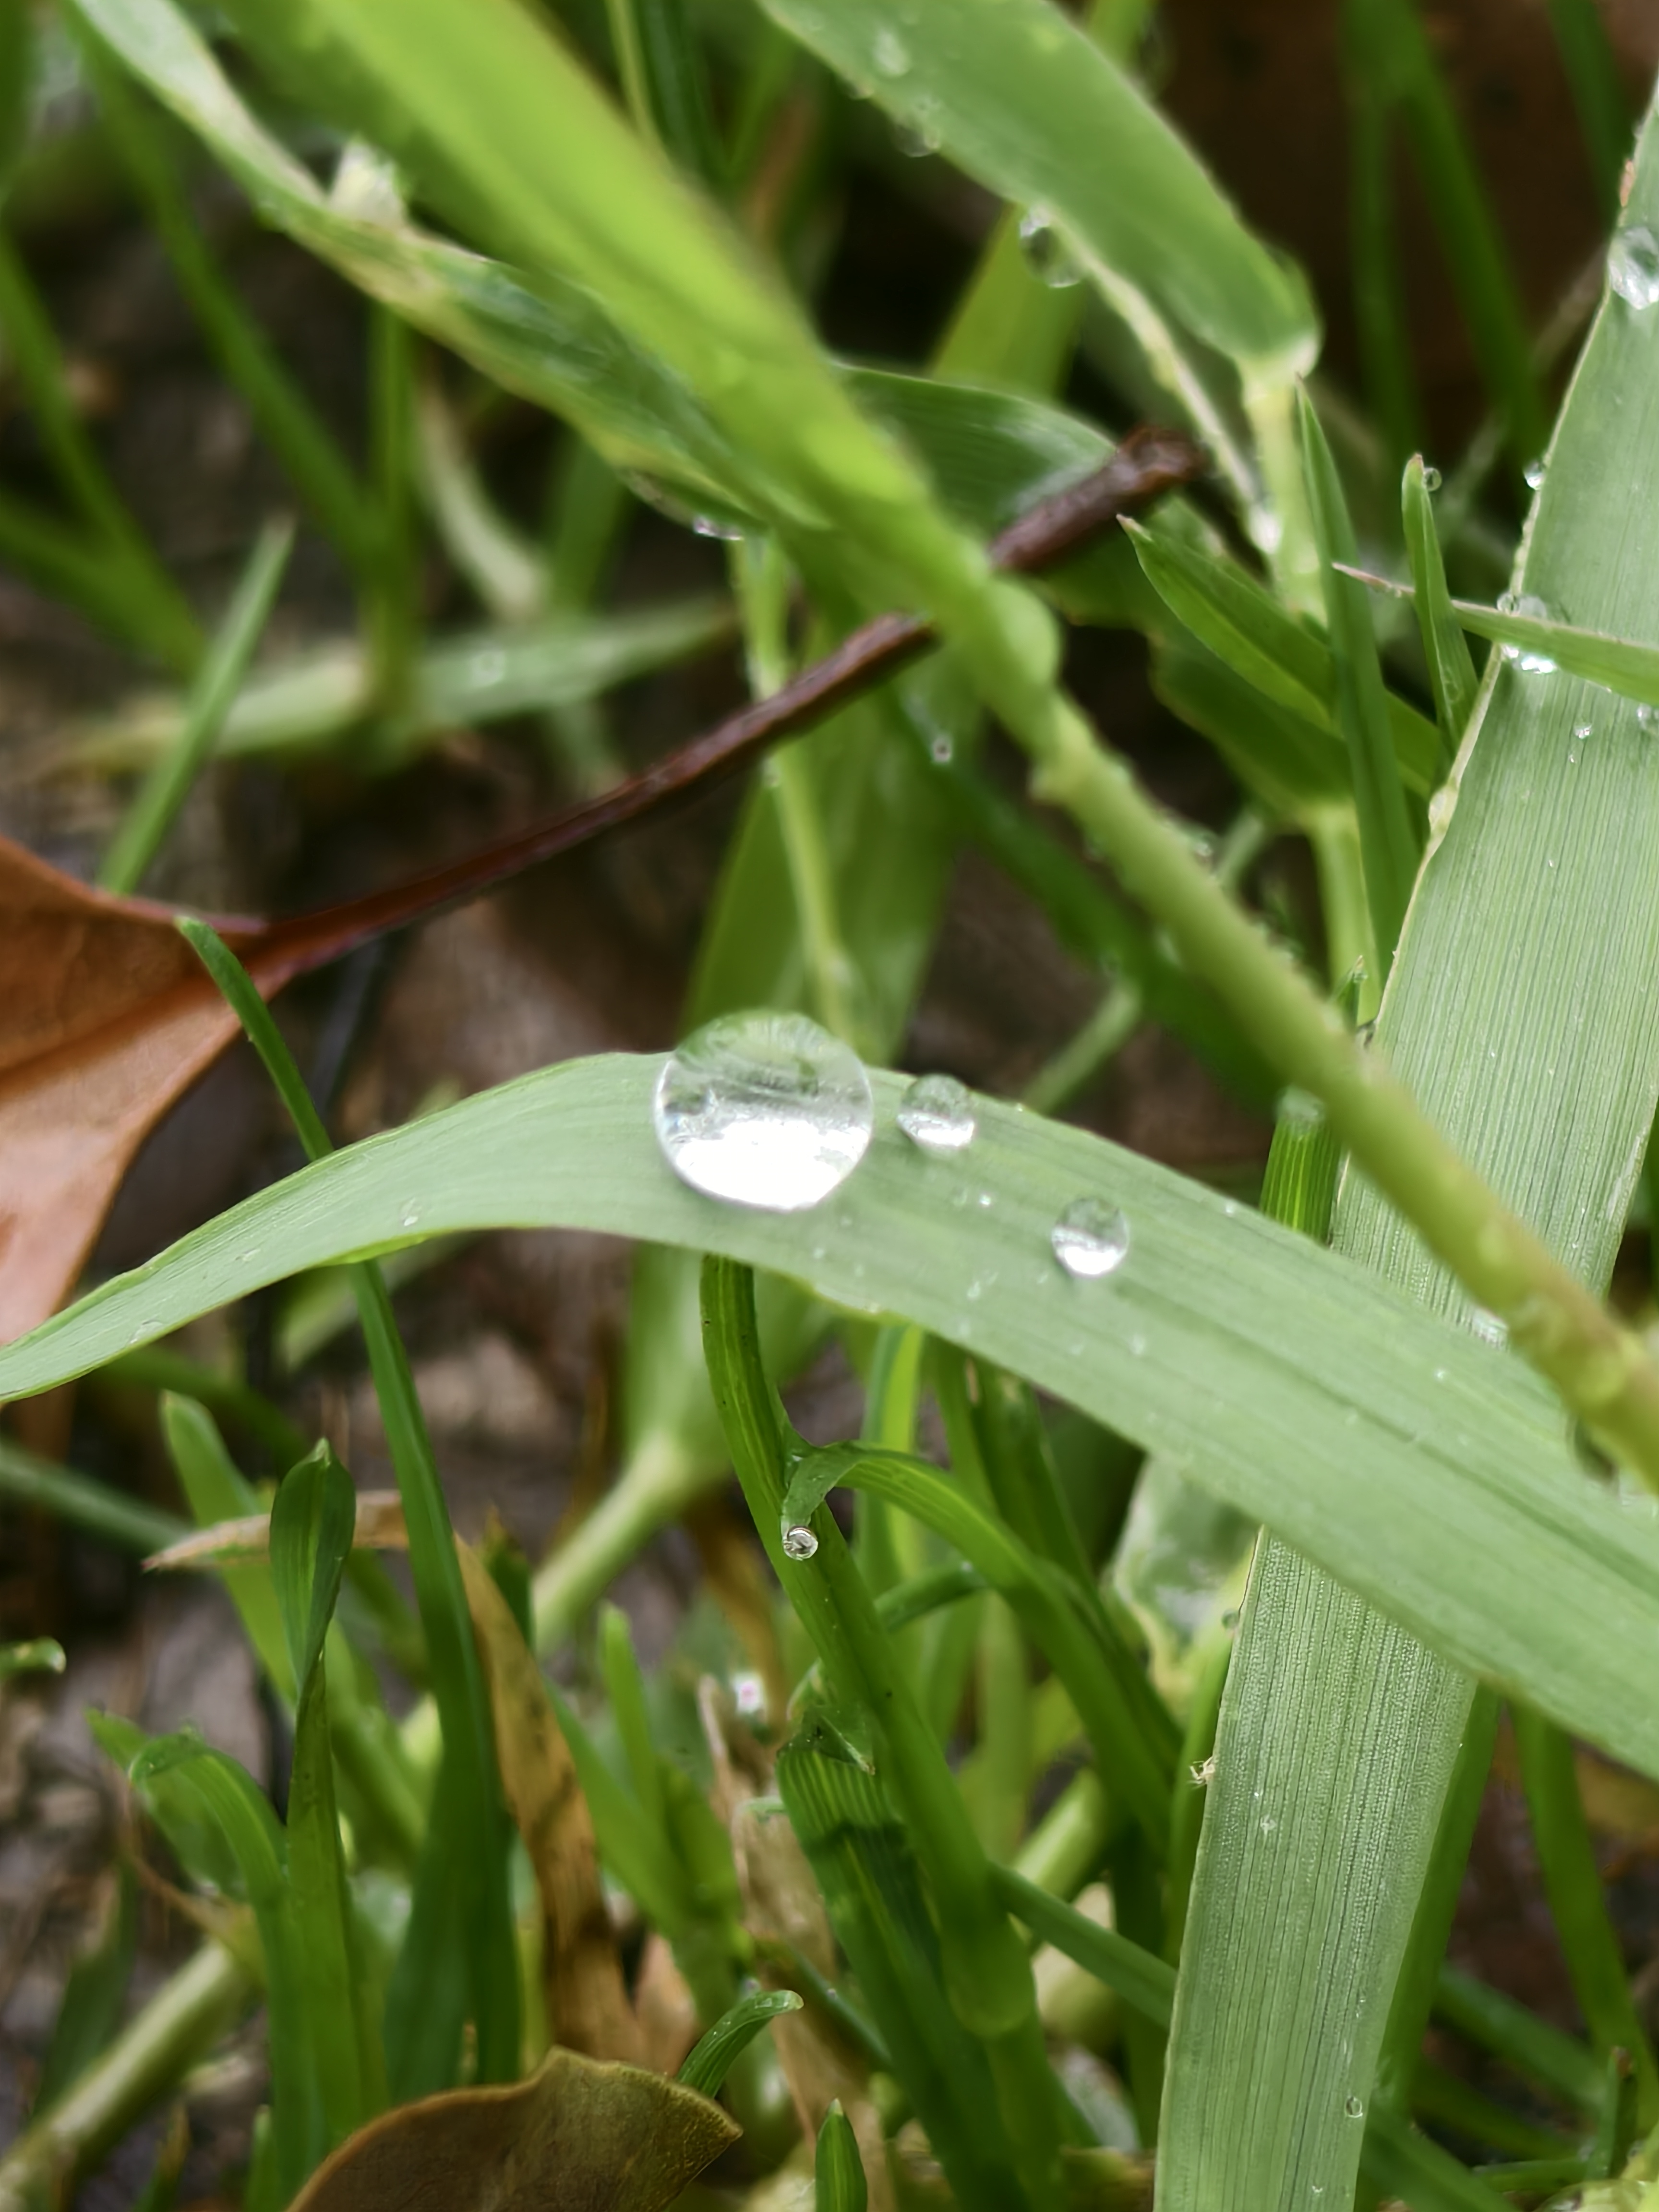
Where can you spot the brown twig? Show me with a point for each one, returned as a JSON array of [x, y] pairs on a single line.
[[1147, 463]]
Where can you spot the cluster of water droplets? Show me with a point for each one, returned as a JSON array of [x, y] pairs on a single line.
[[1527, 658], [1634, 268]]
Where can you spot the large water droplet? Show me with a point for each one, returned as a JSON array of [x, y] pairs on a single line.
[[765, 1109], [1046, 251], [1634, 268], [1536, 471], [1431, 477], [1527, 658], [937, 1113], [1090, 1238], [799, 1541]]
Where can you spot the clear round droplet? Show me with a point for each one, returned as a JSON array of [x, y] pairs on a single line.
[[1634, 268], [764, 1110], [1090, 1238], [1047, 254], [889, 53], [1431, 479], [1354, 2107], [1534, 472], [937, 1113], [799, 1541], [1527, 658]]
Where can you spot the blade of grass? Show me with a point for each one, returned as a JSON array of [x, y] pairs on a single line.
[[1498, 2023], [1627, 665], [838, 2182], [1508, 1000], [468, 1774], [1572, 1883], [154, 806], [706, 2066], [1139, 1978], [98, 1508], [1378, 300], [988, 1979], [1598, 94], [217, 1492], [1388, 841], [1451, 672]]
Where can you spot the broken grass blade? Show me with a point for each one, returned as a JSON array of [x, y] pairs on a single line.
[[154, 806]]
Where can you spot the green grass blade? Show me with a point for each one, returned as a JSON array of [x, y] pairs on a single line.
[[625, 1691], [318, 470], [312, 1521], [1572, 1883], [1509, 998], [1398, 2162], [1391, 43], [861, 1859], [708, 2062], [637, 1852], [1246, 628], [1378, 297], [154, 806], [216, 1490], [1498, 2023], [1598, 94], [94, 1996], [838, 2182], [1024, 100], [85, 1503], [1388, 841], [1542, 644], [1141, 1979], [456, 1678], [1224, 1341], [1451, 672]]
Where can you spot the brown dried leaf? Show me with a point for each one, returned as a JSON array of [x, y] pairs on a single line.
[[587, 2007], [379, 1528], [578, 2136]]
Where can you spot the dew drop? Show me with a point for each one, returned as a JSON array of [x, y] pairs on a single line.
[[1634, 268], [1534, 472], [1047, 254], [1354, 2107], [411, 1214], [889, 53], [1300, 1109], [143, 1329], [1431, 479], [1527, 658], [943, 750], [919, 137], [1488, 1327], [1647, 717], [799, 1541], [1090, 1238], [1268, 1823], [715, 526], [764, 1110], [937, 1113]]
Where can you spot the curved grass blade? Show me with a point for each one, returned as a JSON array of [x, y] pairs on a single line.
[[708, 2062], [1223, 1340], [1139, 1978]]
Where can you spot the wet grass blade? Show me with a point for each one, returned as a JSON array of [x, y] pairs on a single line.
[[708, 2062], [485, 1920], [1388, 840], [1451, 670], [154, 806]]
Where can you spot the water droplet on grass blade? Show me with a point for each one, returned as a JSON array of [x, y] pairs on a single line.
[[1047, 254], [1354, 2107], [1431, 477], [764, 1110], [1488, 1327], [1090, 1238], [1633, 267], [937, 1113], [889, 53], [1527, 658], [799, 1541], [1534, 472]]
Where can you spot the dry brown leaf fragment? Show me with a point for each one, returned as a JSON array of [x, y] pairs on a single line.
[[578, 2136], [587, 2007]]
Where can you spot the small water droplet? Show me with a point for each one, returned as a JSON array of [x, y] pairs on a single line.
[[1536, 471], [1634, 268], [144, 1329], [1354, 2107], [943, 750], [937, 1113], [1047, 254], [1136, 1347], [1300, 1109], [1488, 1327], [764, 1110], [411, 1214], [1647, 716], [799, 1541], [918, 135], [1431, 477], [986, 1200], [1090, 1238], [1268, 1823], [715, 526], [889, 53], [1527, 658]]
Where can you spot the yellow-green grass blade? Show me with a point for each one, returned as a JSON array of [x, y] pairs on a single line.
[[1223, 1340], [1451, 670], [1528, 1028]]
